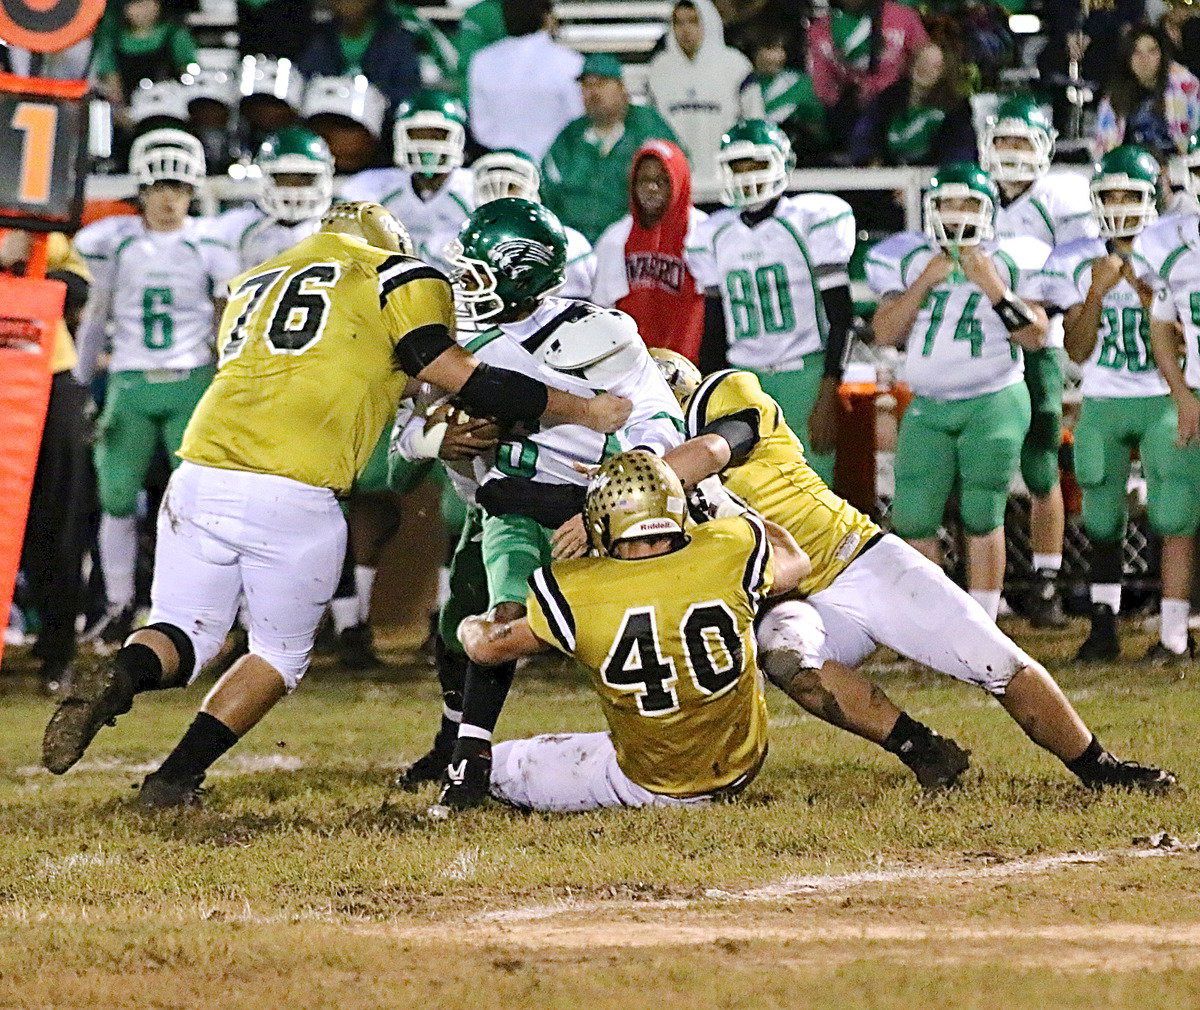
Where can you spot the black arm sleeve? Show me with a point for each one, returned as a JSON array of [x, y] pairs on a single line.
[[712, 344], [419, 348], [839, 310], [77, 287], [507, 396], [739, 430]]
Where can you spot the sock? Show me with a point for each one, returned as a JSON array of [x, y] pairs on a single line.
[[1047, 563], [1086, 761], [906, 737], [345, 612], [443, 590], [141, 664], [484, 694], [1108, 593], [989, 599], [206, 739], [364, 581], [1173, 624], [118, 557]]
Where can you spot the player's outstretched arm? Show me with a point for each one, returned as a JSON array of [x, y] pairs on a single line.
[[503, 394], [791, 564], [490, 643]]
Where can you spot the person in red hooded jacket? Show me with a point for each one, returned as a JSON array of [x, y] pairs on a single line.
[[640, 265]]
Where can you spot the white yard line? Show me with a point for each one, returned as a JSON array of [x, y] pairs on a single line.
[[791, 887]]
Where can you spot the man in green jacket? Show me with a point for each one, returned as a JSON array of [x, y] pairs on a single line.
[[585, 175]]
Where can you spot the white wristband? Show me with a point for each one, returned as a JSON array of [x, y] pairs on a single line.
[[428, 443]]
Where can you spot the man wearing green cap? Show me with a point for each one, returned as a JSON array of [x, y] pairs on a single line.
[[585, 175]]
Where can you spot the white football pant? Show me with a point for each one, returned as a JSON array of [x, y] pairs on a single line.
[[222, 533]]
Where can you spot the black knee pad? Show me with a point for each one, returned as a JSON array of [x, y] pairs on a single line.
[[184, 648]]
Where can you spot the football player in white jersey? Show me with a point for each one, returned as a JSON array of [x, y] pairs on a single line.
[[1125, 403], [159, 283], [780, 264], [964, 305], [1015, 149], [510, 255], [430, 191], [296, 188]]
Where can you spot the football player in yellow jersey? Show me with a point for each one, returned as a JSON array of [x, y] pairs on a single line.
[[675, 668], [315, 350], [868, 588]]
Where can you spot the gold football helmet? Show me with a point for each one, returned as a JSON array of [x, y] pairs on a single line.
[[634, 494], [372, 223], [682, 376]]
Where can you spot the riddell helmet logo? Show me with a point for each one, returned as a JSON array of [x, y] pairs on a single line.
[[518, 255]]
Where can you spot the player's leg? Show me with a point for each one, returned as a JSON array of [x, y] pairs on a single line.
[[513, 547], [1173, 500], [1102, 461], [373, 516], [194, 599], [989, 450], [796, 392], [925, 465], [568, 773], [907, 603], [468, 595], [289, 544], [1039, 468], [811, 654], [126, 438]]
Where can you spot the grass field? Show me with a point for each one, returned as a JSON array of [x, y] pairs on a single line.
[[830, 883]]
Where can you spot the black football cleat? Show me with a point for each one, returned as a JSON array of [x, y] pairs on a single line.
[[159, 793], [937, 761], [356, 648], [98, 693], [1043, 606], [465, 782], [429, 767], [1109, 772], [1102, 644]]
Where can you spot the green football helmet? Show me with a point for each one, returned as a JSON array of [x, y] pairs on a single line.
[[506, 172], [757, 140], [1185, 168], [509, 254], [442, 122], [960, 226], [1125, 169], [300, 153], [1018, 119]]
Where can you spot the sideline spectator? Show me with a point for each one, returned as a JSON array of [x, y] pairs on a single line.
[[365, 38], [481, 25], [696, 83], [857, 50], [640, 264], [1182, 28], [586, 171], [146, 47], [63, 485], [524, 89], [745, 20], [788, 98], [924, 119], [279, 28], [1093, 38], [1150, 100]]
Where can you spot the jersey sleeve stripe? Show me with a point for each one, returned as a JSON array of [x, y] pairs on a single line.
[[697, 412], [400, 277], [757, 563], [554, 605]]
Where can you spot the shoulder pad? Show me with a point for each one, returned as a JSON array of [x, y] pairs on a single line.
[[1027, 252]]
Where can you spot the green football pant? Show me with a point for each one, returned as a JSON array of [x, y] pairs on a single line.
[[514, 547], [1107, 432], [796, 392], [139, 413], [972, 444], [468, 580], [1039, 453]]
